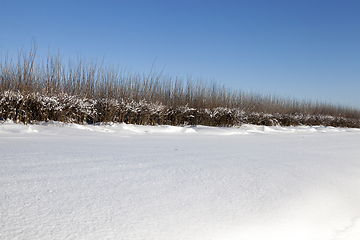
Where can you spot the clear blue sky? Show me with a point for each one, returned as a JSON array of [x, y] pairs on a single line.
[[307, 49]]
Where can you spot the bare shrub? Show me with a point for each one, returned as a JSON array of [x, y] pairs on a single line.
[[88, 92]]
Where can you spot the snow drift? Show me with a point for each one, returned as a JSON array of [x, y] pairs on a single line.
[[122, 181]]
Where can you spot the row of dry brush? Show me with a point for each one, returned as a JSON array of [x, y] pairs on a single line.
[[34, 107], [82, 92]]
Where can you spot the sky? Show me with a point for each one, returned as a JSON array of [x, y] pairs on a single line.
[[308, 49]]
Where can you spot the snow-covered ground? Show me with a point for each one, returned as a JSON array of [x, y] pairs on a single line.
[[68, 181]]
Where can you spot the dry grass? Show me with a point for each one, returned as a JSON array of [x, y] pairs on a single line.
[[81, 91]]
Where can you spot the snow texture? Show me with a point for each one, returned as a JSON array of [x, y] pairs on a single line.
[[119, 181]]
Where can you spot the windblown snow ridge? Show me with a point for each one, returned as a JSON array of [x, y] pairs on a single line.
[[122, 128]]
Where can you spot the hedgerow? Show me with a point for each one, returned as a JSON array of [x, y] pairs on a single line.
[[35, 107], [32, 91]]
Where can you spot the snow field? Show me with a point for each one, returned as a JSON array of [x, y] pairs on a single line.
[[68, 181]]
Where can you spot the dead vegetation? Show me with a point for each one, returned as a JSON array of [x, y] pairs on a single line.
[[88, 92]]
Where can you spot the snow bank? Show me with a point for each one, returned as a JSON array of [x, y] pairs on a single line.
[[122, 128], [118, 181]]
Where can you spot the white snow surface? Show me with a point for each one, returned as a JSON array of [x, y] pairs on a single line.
[[118, 181]]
